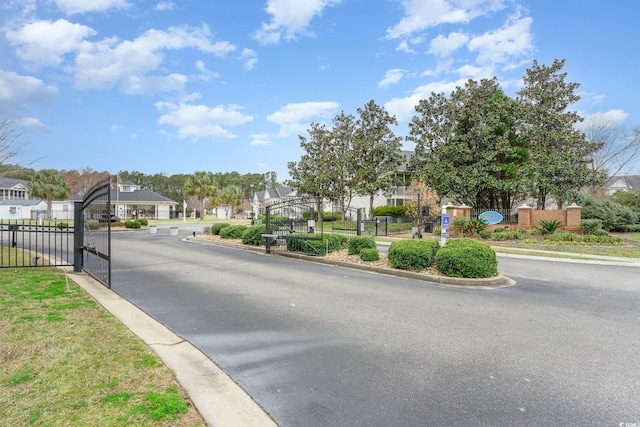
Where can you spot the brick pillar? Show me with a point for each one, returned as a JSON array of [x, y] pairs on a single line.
[[524, 216], [574, 214]]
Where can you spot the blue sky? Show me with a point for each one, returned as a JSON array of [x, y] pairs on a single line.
[[178, 86]]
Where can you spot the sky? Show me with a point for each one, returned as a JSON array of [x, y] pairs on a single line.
[[174, 87]]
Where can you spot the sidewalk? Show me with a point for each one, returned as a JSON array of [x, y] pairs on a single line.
[[220, 401]]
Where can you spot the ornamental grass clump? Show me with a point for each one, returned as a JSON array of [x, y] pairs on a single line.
[[467, 258], [415, 254]]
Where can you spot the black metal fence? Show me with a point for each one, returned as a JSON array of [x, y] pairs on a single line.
[[93, 233], [27, 243], [291, 222]]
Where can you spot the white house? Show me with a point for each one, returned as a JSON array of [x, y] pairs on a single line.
[[22, 209]]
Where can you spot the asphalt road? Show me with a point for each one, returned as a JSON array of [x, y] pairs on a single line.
[[323, 346]]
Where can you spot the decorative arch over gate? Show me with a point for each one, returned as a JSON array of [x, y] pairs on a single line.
[[292, 221]]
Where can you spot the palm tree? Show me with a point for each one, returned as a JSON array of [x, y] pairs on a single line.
[[202, 185], [49, 184], [231, 195]]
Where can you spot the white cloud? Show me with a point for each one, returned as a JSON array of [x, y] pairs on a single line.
[[403, 46], [71, 7], [249, 56], [205, 74], [294, 118], [392, 77], [165, 5], [260, 139], [404, 108], [110, 62], [289, 19], [201, 121], [446, 45], [18, 92], [44, 43], [423, 14], [31, 123], [514, 39], [146, 85], [608, 119]]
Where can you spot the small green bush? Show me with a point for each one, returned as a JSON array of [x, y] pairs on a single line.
[[467, 258], [312, 245], [357, 243], [253, 235], [392, 211], [62, 225], [331, 216], [233, 232], [369, 254], [414, 254], [215, 228], [143, 221], [476, 226], [590, 226], [92, 225], [131, 224], [485, 234], [460, 225], [509, 235]]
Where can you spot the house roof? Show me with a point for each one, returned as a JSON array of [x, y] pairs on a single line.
[[12, 182], [136, 196], [20, 202], [631, 181]]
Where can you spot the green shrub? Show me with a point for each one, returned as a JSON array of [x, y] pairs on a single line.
[[392, 211], [549, 226], [331, 216], [369, 254], [92, 225], [131, 224], [232, 232], [460, 225], [509, 235], [215, 228], [476, 226], [614, 216], [635, 228], [143, 221], [467, 258], [499, 230], [312, 245], [485, 234], [564, 237], [357, 243], [590, 226], [437, 232], [253, 235], [62, 225], [414, 254]]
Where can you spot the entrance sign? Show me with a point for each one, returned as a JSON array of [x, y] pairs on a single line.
[[490, 217], [446, 221]]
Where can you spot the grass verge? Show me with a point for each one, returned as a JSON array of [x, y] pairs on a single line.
[[65, 361]]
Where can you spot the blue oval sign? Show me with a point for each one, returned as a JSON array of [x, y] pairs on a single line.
[[490, 217]]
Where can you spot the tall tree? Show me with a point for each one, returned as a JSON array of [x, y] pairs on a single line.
[[377, 152], [466, 146], [231, 195], [559, 153], [49, 184], [202, 185], [10, 145]]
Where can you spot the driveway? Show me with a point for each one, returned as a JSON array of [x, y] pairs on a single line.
[[322, 346]]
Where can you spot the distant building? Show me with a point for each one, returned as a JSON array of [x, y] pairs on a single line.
[[623, 183], [13, 189]]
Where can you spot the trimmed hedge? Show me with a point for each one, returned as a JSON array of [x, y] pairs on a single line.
[[329, 243], [233, 232], [357, 243], [215, 228], [253, 235], [393, 211], [467, 258], [132, 224], [143, 221], [369, 254], [414, 254]]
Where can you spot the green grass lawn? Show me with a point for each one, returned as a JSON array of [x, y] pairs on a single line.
[[65, 361]]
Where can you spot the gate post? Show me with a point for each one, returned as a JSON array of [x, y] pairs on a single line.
[[268, 230], [78, 236], [359, 222]]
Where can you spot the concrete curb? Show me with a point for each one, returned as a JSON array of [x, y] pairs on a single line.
[[220, 401], [488, 283]]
